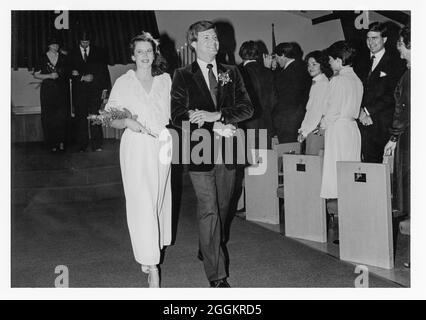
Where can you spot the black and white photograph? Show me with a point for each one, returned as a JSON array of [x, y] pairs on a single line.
[[190, 148]]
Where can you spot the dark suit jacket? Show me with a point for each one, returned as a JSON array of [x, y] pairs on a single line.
[[190, 92], [293, 84], [96, 65], [379, 89], [259, 82]]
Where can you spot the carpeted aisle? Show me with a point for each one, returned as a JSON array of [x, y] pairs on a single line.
[[92, 240]]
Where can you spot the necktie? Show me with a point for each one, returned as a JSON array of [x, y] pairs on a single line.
[[212, 84], [84, 54], [371, 64]]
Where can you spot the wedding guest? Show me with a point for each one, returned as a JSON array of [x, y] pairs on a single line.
[[342, 136], [379, 73], [91, 80], [399, 142], [145, 93], [259, 82], [320, 71], [54, 93], [292, 82]]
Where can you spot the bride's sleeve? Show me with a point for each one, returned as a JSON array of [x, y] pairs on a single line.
[[116, 96]]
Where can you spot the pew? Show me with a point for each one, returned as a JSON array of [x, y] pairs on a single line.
[[365, 213], [260, 189], [304, 209]]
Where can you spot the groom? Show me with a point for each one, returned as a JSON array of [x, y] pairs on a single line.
[[212, 97]]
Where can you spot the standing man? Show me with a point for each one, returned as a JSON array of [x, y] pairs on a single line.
[[259, 82], [90, 83], [379, 74], [293, 84], [211, 96]]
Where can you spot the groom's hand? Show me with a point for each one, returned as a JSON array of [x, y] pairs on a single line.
[[224, 130], [201, 116]]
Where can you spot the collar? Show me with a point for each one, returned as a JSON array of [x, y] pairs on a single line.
[[378, 55], [248, 61], [319, 77], [345, 69], [288, 63], [203, 64]]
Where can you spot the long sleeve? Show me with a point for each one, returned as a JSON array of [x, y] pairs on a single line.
[[401, 117], [115, 98], [316, 107], [179, 100], [242, 108]]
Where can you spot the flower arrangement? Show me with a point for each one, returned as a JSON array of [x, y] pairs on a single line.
[[105, 118], [224, 77]]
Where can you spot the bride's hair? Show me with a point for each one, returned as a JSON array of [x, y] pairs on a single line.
[[159, 65]]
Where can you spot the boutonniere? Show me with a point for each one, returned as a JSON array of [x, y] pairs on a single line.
[[224, 78], [383, 74]]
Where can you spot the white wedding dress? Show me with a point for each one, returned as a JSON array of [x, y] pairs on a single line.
[[146, 179]]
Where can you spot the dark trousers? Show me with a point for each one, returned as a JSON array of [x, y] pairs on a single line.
[[214, 190], [87, 100], [373, 143], [286, 125]]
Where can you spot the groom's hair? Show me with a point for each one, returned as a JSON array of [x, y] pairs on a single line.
[[200, 26]]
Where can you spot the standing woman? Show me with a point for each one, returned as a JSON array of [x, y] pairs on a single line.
[[145, 92], [342, 136], [54, 91], [400, 130], [320, 71]]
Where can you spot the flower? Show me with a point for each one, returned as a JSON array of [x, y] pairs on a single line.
[[105, 118], [224, 77]]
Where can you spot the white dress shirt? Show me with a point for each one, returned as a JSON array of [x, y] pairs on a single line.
[[378, 56], [205, 71], [82, 51]]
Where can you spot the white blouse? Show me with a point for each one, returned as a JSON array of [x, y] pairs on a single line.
[[316, 106]]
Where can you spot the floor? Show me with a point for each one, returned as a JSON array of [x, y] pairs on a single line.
[[399, 274], [55, 223]]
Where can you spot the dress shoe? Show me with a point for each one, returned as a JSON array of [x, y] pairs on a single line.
[[200, 255], [221, 283]]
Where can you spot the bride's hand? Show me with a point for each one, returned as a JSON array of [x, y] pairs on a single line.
[[129, 114], [134, 125]]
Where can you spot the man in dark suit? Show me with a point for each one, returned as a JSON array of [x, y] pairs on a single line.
[[90, 83], [212, 97], [379, 73], [292, 82], [259, 82]]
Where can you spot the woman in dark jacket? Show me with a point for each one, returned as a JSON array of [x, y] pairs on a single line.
[[399, 142], [54, 94]]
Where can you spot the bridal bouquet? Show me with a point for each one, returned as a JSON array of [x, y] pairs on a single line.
[[105, 118]]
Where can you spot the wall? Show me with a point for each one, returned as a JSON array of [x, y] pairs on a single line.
[[247, 25], [26, 89], [255, 25]]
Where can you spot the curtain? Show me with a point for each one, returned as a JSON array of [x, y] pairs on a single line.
[[111, 30]]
